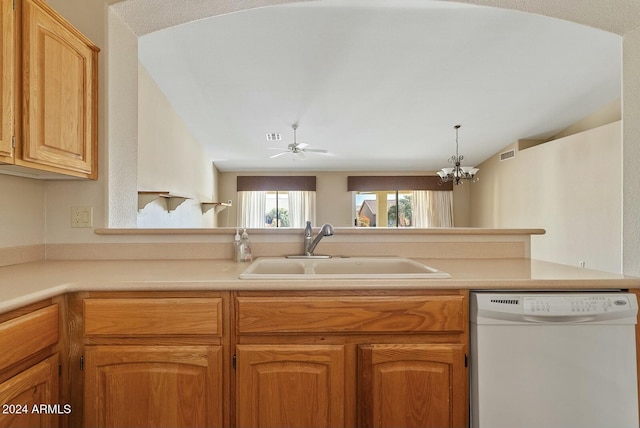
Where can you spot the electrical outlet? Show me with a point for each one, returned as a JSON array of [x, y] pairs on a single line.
[[81, 216]]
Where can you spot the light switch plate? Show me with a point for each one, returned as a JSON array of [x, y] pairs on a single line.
[[81, 216]]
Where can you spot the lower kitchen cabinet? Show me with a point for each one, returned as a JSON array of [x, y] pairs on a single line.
[[412, 385], [29, 384], [153, 386], [290, 386], [23, 396], [153, 360], [346, 359], [369, 358]]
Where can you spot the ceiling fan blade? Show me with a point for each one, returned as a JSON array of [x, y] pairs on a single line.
[[278, 154], [316, 150], [301, 145]]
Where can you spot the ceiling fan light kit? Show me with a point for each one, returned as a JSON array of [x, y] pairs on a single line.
[[458, 174]]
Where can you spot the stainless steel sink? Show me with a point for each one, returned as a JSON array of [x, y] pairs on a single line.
[[337, 268]]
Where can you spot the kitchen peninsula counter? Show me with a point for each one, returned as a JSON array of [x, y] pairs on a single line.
[[26, 283]]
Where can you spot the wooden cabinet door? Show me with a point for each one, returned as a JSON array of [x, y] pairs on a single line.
[[23, 395], [59, 94], [7, 82], [290, 386], [153, 386], [412, 386]]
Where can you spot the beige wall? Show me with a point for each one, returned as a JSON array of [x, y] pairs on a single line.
[[631, 153], [572, 187], [609, 113], [334, 204], [170, 159], [22, 213]]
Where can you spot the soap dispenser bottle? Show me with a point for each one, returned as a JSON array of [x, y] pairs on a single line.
[[236, 246], [245, 247]]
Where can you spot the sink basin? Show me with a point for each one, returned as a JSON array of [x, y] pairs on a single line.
[[371, 266], [272, 267], [337, 268]]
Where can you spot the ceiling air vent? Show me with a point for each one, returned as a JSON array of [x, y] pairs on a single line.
[[274, 136], [509, 154]]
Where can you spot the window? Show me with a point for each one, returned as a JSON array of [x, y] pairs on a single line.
[[396, 209], [277, 210], [380, 202], [260, 205]]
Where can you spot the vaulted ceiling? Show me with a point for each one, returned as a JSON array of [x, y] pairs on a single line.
[[379, 84]]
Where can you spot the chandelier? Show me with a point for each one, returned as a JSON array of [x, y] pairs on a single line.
[[458, 173]]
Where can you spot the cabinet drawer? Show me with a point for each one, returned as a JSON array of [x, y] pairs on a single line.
[[153, 317], [27, 334], [387, 314]]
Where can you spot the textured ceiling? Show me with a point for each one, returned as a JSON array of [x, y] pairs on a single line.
[[147, 16], [378, 84]]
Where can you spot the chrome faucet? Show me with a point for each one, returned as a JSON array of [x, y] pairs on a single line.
[[309, 243]]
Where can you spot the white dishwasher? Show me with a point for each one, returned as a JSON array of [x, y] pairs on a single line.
[[553, 360]]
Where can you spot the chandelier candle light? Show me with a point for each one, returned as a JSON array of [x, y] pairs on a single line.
[[458, 173]]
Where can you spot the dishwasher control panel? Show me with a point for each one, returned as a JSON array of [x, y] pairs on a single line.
[[574, 304], [601, 307]]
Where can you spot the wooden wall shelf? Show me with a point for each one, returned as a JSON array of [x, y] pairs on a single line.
[[217, 206], [171, 201]]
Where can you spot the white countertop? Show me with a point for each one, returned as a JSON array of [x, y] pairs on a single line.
[[29, 282]]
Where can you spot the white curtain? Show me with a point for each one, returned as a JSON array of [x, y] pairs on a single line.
[[432, 208], [252, 207], [302, 208]]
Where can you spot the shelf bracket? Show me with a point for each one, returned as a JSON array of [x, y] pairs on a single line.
[[217, 206], [171, 201]]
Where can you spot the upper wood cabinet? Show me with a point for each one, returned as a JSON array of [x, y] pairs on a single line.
[[7, 80], [55, 116]]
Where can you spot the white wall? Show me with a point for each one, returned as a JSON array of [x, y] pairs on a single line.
[[170, 159], [571, 187], [121, 107]]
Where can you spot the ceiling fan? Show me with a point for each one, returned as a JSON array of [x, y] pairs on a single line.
[[295, 148]]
